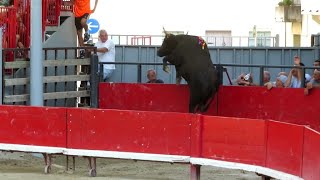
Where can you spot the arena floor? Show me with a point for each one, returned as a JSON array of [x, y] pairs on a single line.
[[25, 166]]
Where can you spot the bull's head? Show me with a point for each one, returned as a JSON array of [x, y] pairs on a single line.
[[168, 45]]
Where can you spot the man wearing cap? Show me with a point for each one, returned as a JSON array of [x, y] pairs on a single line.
[[314, 83], [279, 83]]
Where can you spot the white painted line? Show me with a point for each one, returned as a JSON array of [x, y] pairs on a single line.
[[253, 168]]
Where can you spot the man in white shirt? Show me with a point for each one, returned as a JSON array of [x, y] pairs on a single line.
[[106, 53]]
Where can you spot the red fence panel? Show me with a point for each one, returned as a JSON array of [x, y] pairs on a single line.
[[65, 5], [51, 10], [129, 131], [311, 158], [234, 139], [280, 104], [23, 24], [147, 97], [33, 126], [285, 147], [8, 25]]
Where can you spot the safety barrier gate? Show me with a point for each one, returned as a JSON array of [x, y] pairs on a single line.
[[272, 148]]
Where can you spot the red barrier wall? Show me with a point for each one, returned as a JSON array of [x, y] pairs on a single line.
[[147, 97], [129, 131], [234, 139], [311, 158], [281, 104], [33, 126], [280, 146], [285, 147]]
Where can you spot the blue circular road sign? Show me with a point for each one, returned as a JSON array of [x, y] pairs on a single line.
[[93, 26]]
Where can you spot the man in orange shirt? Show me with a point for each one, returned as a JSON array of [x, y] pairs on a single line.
[[82, 12]]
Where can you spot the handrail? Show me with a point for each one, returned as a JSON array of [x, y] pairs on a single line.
[[260, 66]]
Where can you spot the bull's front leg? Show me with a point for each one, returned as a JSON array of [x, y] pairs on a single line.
[[165, 65], [193, 102]]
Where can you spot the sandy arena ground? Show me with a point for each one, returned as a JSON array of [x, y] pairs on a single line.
[[27, 167]]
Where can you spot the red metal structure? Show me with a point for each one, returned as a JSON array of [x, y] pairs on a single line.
[[234, 101], [65, 5], [149, 122], [135, 40], [15, 20], [7, 22], [52, 10]]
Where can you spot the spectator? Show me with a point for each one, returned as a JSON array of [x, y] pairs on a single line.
[[279, 83], [314, 83], [245, 80], [82, 12], [294, 78], [152, 77], [282, 73], [295, 75], [266, 77], [317, 64], [106, 53]]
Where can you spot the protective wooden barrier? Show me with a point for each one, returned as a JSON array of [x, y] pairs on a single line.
[[276, 149], [147, 97], [33, 129], [280, 104], [129, 131]]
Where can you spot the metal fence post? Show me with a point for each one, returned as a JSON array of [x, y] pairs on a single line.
[[1, 72], [139, 73], [101, 71], [94, 81], [261, 76], [303, 78]]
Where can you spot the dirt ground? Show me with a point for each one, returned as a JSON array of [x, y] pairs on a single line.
[[26, 166]]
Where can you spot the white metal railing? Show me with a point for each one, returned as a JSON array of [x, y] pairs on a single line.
[[216, 41]]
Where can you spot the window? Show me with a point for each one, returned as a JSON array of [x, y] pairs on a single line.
[[219, 38], [263, 39]]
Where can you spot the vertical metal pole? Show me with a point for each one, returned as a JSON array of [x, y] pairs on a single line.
[[1, 72], [36, 67], [139, 73], [261, 76], [195, 172], [303, 81], [94, 81], [285, 33]]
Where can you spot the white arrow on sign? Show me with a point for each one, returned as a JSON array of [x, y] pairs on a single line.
[[92, 26]]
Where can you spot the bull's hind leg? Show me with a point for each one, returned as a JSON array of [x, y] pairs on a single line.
[[206, 103], [193, 103]]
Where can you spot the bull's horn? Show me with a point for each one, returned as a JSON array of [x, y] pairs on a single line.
[[165, 32]]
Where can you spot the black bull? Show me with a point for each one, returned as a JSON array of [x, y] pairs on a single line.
[[191, 58]]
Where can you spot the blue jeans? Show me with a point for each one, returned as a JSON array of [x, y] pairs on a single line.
[[107, 74]]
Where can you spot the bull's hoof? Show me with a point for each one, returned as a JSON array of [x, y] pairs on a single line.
[[166, 69]]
